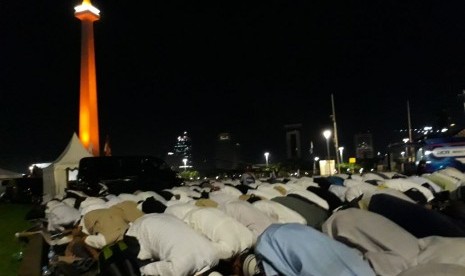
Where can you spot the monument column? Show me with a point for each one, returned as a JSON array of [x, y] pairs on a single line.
[[88, 111]]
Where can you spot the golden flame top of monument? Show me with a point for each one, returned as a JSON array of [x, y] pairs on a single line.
[[86, 6]]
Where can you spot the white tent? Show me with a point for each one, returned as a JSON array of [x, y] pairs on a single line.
[[55, 176]]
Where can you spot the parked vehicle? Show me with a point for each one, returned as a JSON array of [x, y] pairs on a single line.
[[124, 174], [428, 155]]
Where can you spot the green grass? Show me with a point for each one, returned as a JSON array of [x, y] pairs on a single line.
[[11, 221]]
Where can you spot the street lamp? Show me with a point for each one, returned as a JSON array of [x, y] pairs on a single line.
[[266, 158], [185, 163], [314, 164], [327, 134], [341, 149]]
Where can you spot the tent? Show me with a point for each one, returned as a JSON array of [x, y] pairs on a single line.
[[55, 176], [6, 174]]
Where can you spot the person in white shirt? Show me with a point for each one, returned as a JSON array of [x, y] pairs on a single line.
[[278, 212], [229, 236], [177, 249], [252, 218]]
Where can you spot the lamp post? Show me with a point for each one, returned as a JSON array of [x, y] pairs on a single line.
[[407, 148], [314, 164], [341, 149], [185, 163], [266, 158], [327, 134]]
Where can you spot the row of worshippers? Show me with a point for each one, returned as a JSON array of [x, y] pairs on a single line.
[[232, 227], [225, 221]]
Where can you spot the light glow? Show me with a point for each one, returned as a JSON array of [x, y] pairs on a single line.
[[86, 6], [327, 134]]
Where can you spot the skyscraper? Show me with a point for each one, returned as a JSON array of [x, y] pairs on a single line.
[[364, 145], [293, 147], [227, 152], [88, 112], [183, 149]]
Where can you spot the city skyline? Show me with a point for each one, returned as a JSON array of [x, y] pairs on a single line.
[[244, 68]]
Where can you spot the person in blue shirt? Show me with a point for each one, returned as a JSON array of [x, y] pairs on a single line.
[[294, 249]]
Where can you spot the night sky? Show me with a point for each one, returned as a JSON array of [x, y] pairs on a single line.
[[244, 67]]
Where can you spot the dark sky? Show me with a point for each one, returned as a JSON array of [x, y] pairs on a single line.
[[244, 67]]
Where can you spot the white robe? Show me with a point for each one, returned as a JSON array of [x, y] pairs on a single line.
[[179, 249], [229, 236], [252, 218], [279, 212]]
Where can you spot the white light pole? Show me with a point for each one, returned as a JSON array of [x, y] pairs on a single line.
[[266, 158], [314, 164], [341, 149], [327, 135], [185, 163]]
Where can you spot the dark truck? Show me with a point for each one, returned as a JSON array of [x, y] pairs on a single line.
[[124, 174]]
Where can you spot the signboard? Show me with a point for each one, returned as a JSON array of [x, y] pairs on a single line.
[[352, 160], [449, 151], [327, 167]]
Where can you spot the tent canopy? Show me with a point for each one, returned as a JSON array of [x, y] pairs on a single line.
[[6, 174], [55, 175]]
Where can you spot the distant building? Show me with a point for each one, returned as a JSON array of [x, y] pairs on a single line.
[[293, 141], [364, 146], [227, 152], [181, 156]]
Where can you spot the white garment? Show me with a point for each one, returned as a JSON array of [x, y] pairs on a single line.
[[445, 250], [129, 197], [279, 212], [311, 197], [179, 249], [402, 184], [222, 197], [357, 188], [371, 176], [445, 181], [265, 191], [69, 201], [453, 172], [228, 235], [61, 214], [422, 180], [112, 200], [185, 191], [390, 248], [180, 210], [90, 201], [92, 207], [339, 191], [294, 186], [368, 190], [306, 182], [96, 241], [252, 218], [146, 194], [231, 190], [352, 182]]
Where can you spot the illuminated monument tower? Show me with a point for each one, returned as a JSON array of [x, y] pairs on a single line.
[[88, 112]]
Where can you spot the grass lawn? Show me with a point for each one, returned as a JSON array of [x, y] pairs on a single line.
[[11, 221]]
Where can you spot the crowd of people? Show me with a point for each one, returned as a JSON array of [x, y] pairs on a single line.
[[370, 224]]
